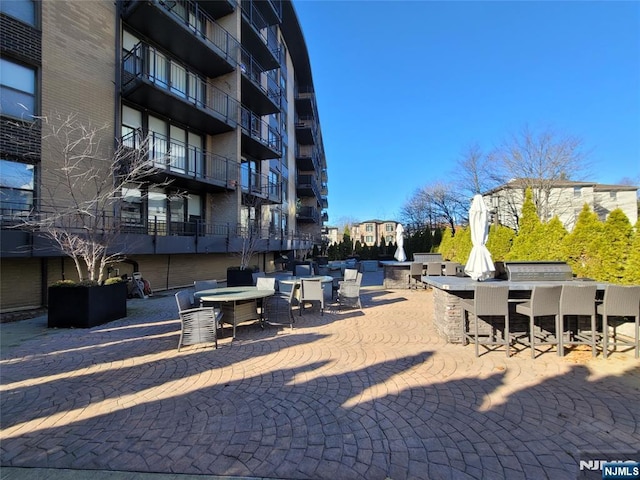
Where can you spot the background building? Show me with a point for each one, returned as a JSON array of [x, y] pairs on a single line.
[[224, 92], [562, 198]]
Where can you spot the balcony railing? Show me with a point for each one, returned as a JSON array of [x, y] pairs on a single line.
[[203, 25], [258, 76], [175, 157], [146, 62], [260, 185], [260, 130], [107, 224]]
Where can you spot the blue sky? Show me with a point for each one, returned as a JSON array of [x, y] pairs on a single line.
[[404, 87]]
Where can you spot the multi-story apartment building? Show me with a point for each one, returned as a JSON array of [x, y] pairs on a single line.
[[562, 198], [372, 231], [223, 92]]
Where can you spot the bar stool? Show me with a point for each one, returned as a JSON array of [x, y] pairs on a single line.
[[488, 303], [620, 302], [577, 301], [545, 301]]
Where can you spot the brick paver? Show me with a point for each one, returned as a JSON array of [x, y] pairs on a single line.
[[353, 394]]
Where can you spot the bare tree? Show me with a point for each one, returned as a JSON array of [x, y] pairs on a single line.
[[539, 160], [433, 205], [473, 172], [80, 191]]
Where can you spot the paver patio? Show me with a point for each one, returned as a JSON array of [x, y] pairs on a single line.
[[353, 394]]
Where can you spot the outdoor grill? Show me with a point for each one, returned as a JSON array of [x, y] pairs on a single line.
[[536, 271]]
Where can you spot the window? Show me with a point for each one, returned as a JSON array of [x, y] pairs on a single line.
[[131, 209], [577, 192], [613, 195], [17, 90], [23, 10], [388, 227], [368, 239], [369, 227], [16, 187]]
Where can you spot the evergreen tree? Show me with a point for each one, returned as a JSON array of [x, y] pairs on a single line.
[[632, 268], [550, 245], [527, 242], [499, 242], [582, 247], [616, 248], [462, 245], [446, 246]]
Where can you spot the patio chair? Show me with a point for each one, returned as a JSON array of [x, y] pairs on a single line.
[[488, 303], [256, 276], [264, 283], [349, 292], [577, 301], [279, 304], [350, 274], [311, 291], [451, 268], [621, 304], [545, 302], [200, 285], [434, 269], [198, 325], [415, 274]]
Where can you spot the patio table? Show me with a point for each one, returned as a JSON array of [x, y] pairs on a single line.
[[238, 304]]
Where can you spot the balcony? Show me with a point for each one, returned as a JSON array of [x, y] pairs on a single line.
[[263, 47], [189, 167], [260, 92], [307, 186], [259, 140], [324, 202], [260, 186], [185, 29], [307, 130], [307, 158], [306, 102], [308, 215], [153, 80], [271, 10], [219, 8]]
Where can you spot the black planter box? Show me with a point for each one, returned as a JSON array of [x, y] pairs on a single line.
[[239, 278], [84, 307]]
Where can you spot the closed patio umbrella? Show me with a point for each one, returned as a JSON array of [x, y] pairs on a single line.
[[479, 265], [400, 255]]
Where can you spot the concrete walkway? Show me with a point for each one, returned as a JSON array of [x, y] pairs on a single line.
[[352, 394]]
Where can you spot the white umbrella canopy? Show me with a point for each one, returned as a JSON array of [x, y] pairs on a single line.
[[479, 265], [400, 255]]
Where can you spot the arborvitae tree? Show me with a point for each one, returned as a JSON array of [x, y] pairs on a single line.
[[446, 247], [582, 246], [616, 247], [551, 242], [436, 238], [632, 268], [526, 243], [499, 242], [374, 252], [357, 248], [332, 251], [462, 245], [383, 246]]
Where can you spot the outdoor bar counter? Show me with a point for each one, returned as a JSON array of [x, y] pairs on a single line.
[[448, 291]]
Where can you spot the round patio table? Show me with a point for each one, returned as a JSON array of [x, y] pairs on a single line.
[[238, 304]]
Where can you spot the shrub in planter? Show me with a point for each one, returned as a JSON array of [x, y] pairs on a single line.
[[86, 304]]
